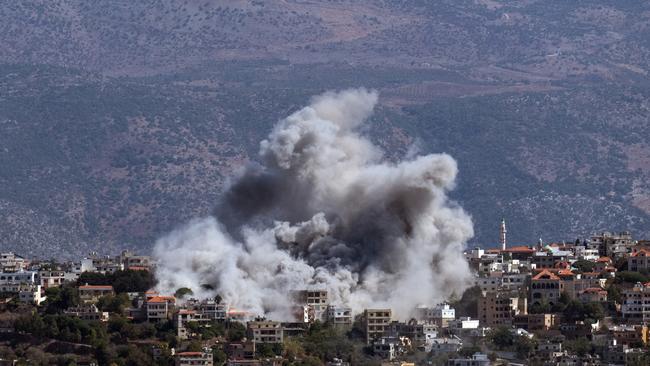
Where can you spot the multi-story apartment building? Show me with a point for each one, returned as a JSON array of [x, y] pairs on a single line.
[[203, 358], [612, 245], [339, 316], [159, 308], [51, 278], [639, 260], [11, 262], [548, 259], [636, 303], [14, 281], [132, 261], [630, 334], [498, 280], [264, 331], [500, 307], [536, 322], [31, 294], [545, 287], [213, 310], [316, 300], [376, 322], [90, 294], [439, 315], [585, 253], [185, 316]]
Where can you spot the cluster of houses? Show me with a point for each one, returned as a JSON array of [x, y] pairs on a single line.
[[519, 287], [522, 286]]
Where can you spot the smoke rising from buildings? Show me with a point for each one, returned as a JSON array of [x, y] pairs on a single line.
[[325, 210]]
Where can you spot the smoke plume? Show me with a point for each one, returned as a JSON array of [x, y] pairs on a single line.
[[324, 210]]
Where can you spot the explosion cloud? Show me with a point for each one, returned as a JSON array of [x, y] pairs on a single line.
[[324, 210]]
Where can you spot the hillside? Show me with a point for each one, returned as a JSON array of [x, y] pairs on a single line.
[[120, 120]]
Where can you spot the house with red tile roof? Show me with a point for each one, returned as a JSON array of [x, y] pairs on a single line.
[[545, 287], [203, 358], [159, 307], [639, 260], [593, 294]]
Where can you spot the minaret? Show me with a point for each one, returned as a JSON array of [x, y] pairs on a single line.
[[502, 234]]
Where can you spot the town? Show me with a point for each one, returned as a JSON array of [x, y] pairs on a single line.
[[583, 302]]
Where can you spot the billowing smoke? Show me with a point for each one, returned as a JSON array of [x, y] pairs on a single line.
[[324, 210]]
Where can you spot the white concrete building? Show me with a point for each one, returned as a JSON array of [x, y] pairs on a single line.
[[31, 294], [12, 281]]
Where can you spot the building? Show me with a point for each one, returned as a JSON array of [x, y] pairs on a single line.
[[159, 307], [499, 280], [264, 331], [31, 294], [184, 316], [630, 335], [549, 258], [339, 316], [545, 287], [87, 312], [639, 260], [51, 278], [593, 294], [14, 281], [135, 262], [537, 322], [478, 359], [446, 345], [376, 322], [439, 315], [213, 310], [240, 350], [316, 301], [549, 350], [612, 245], [500, 307], [85, 265], [203, 358], [90, 294], [11, 262], [585, 253], [463, 324], [636, 303], [386, 348]]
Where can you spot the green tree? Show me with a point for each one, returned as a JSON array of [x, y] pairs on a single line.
[[540, 308], [630, 277], [60, 298], [114, 303], [584, 265], [580, 346], [594, 311], [614, 293], [501, 337], [182, 292], [468, 351], [194, 346], [524, 346], [219, 357], [236, 332]]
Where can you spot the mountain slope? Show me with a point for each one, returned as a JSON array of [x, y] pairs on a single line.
[[121, 120]]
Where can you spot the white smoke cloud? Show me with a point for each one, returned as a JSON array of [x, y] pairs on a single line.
[[324, 210]]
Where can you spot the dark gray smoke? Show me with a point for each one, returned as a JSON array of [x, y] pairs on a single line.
[[324, 210]]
